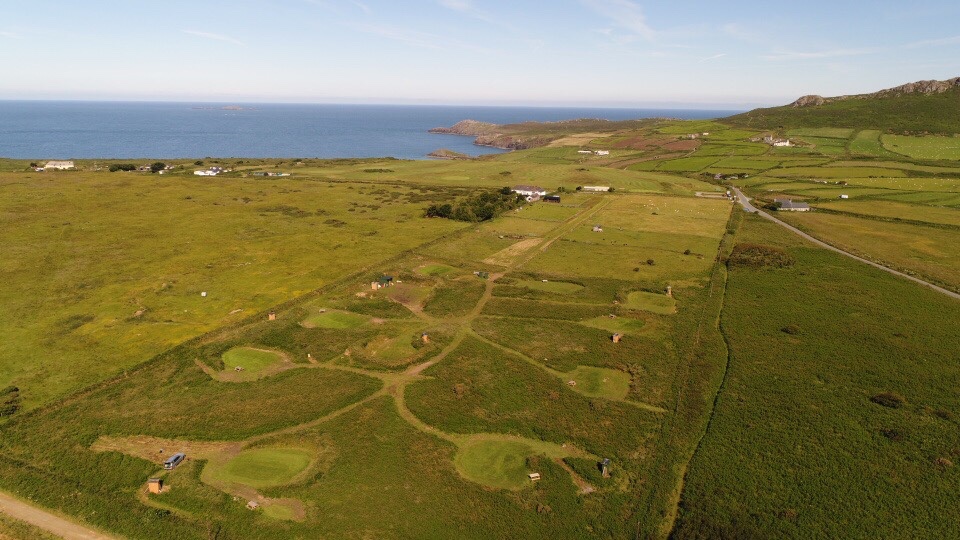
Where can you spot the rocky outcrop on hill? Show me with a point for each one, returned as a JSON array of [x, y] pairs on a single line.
[[488, 134], [472, 128], [444, 153], [919, 87]]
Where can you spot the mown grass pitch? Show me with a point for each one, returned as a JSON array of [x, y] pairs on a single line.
[[652, 302], [500, 464], [335, 319], [251, 361], [600, 382], [264, 467]]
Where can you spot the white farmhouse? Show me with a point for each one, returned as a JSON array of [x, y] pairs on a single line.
[[602, 152], [59, 165], [530, 192], [596, 188]]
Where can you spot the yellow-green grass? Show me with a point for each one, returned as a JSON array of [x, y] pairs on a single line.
[[746, 163], [732, 149], [895, 165], [867, 142], [499, 464], [514, 224], [251, 361], [830, 132], [909, 184], [930, 252], [690, 164], [556, 287], [826, 146], [436, 269], [896, 210], [335, 319], [937, 199], [14, 529], [836, 172], [546, 211], [622, 325], [580, 259], [263, 467], [107, 270], [652, 302], [927, 147], [278, 511], [599, 382], [652, 213]]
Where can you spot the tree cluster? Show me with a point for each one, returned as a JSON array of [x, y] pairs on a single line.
[[479, 207]]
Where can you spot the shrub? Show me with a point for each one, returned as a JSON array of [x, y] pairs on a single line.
[[759, 256], [892, 400], [651, 262], [791, 329], [122, 167], [892, 434]]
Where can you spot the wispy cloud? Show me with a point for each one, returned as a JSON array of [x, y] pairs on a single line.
[[9, 35], [714, 57], [467, 8], [416, 38], [212, 36], [363, 7], [814, 55], [624, 14], [954, 40]]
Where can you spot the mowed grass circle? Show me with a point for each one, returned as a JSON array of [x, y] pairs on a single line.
[[436, 269], [253, 361], [652, 302], [265, 467], [499, 464], [340, 320]]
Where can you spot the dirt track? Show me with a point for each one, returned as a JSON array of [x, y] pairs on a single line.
[[47, 521]]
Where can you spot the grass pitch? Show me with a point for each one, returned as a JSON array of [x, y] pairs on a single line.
[[500, 464], [251, 361], [600, 382], [652, 302], [264, 467]]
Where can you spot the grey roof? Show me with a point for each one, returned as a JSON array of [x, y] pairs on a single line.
[[788, 204]]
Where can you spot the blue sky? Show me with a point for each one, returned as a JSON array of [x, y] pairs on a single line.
[[557, 52]]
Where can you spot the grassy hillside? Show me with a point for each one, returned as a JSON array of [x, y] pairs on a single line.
[[935, 113]]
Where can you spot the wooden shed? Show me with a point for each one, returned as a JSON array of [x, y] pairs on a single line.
[[155, 485]]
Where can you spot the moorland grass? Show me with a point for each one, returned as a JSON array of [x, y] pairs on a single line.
[[931, 252], [796, 440], [553, 287]]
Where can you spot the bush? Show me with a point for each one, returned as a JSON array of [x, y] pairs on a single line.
[[157, 166], [759, 256], [482, 207], [9, 400], [892, 400], [791, 329], [122, 167]]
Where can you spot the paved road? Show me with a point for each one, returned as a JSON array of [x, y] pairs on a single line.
[[745, 202], [47, 521]]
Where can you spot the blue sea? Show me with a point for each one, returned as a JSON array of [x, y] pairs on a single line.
[[88, 130]]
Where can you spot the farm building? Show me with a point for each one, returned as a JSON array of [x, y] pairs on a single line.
[[602, 152], [530, 192], [584, 151], [790, 206], [597, 228], [552, 198], [59, 165], [270, 173], [596, 188]]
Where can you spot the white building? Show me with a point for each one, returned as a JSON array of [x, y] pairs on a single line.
[[60, 165], [602, 152], [596, 188], [584, 151], [530, 192], [782, 142], [206, 172]]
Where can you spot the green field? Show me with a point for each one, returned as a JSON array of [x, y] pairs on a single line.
[[335, 319], [501, 464], [929, 147], [264, 467], [252, 361], [757, 401], [652, 302]]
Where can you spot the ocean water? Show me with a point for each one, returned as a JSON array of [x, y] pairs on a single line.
[[85, 130]]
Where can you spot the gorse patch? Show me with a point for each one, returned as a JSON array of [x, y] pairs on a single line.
[[482, 207]]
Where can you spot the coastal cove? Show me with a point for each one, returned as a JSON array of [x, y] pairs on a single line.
[[166, 130]]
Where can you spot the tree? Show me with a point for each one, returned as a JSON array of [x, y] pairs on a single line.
[[157, 167]]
